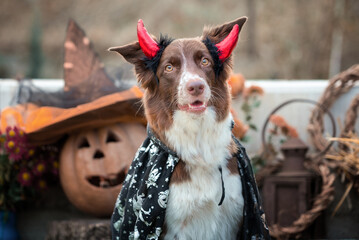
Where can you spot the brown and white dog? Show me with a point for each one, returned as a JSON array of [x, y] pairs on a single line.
[[187, 104]]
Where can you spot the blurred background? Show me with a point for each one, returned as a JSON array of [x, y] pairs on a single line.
[[293, 39]]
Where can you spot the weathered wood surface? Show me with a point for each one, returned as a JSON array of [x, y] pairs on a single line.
[[79, 230]]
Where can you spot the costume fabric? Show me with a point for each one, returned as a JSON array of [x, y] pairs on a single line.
[[141, 205]]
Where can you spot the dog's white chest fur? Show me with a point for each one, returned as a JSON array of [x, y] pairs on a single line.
[[192, 210]]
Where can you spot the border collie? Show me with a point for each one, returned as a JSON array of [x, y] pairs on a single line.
[[191, 179]]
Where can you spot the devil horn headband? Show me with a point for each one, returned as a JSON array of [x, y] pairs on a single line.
[[222, 50], [148, 45], [153, 50], [226, 46]]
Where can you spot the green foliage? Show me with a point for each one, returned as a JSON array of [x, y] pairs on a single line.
[[257, 163], [250, 103], [246, 107], [256, 104], [245, 139], [252, 126]]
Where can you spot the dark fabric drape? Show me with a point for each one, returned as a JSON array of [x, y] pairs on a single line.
[[141, 206]]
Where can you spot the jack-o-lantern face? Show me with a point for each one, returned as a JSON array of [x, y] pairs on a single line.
[[94, 164]]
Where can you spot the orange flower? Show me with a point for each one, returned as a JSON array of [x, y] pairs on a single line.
[[240, 129], [236, 82], [278, 120], [292, 132], [253, 90], [286, 129]]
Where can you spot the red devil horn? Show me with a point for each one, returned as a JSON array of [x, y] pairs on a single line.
[[148, 45], [226, 46]]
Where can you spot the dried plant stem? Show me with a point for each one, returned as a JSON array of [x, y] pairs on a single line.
[[349, 187], [338, 85], [350, 140]]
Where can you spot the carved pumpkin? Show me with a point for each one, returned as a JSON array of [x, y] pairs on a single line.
[[94, 164]]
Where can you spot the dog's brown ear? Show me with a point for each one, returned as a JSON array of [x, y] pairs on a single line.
[[219, 33], [133, 54], [221, 41]]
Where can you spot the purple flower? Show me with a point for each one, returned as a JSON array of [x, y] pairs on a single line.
[[14, 149], [41, 184], [24, 177], [55, 167], [15, 143], [39, 168]]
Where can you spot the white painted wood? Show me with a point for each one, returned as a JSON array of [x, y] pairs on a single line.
[[276, 92], [9, 89], [296, 114]]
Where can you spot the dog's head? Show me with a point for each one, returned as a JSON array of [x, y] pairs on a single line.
[[183, 74]]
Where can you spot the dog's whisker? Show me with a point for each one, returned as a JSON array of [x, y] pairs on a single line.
[[217, 95], [141, 106]]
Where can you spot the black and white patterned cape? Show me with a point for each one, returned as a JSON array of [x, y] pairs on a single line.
[[140, 208]]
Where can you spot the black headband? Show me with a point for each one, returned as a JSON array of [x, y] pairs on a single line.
[[165, 41], [153, 63], [213, 50]]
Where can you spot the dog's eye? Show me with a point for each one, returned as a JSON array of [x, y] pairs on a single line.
[[169, 68], [205, 61]]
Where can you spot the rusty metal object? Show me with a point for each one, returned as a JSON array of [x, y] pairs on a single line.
[[287, 194], [320, 203]]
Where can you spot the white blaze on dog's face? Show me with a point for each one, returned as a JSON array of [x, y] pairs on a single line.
[[188, 66], [186, 76]]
